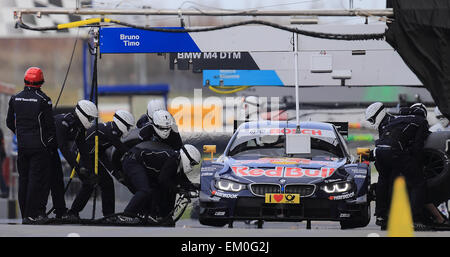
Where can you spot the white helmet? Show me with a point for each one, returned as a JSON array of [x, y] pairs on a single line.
[[253, 100], [442, 119], [162, 123], [190, 156], [420, 107], [124, 121], [375, 113], [153, 106], [86, 112]]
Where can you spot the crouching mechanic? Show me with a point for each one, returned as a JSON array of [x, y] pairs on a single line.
[[153, 174], [109, 134], [70, 133], [398, 152], [135, 167]]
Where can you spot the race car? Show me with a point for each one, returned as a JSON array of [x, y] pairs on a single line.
[[278, 171]]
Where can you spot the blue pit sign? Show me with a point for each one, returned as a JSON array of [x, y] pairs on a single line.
[[132, 40]]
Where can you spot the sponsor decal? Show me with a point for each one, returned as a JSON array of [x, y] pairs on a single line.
[[282, 198], [342, 197], [219, 213], [282, 131], [332, 180], [208, 168], [287, 161], [223, 195], [283, 162], [287, 131], [290, 172]]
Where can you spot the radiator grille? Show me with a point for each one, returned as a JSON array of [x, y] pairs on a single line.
[[303, 190], [262, 189]]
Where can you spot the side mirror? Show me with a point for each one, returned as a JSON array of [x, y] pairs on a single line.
[[209, 149]]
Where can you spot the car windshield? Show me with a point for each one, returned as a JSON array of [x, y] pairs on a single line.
[[266, 143]]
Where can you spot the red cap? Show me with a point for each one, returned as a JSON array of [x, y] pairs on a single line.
[[34, 77]]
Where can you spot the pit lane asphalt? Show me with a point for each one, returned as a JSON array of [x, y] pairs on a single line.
[[192, 228]]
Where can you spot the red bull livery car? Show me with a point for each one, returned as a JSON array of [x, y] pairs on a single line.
[[274, 171]]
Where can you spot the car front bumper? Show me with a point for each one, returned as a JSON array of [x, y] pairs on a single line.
[[248, 208]]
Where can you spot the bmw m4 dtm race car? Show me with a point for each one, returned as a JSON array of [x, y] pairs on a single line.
[[274, 171]]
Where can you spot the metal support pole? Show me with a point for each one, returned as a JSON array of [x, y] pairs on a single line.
[[85, 70], [94, 97], [297, 107], [388, 12]]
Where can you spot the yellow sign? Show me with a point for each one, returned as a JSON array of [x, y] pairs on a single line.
[[283, 198]]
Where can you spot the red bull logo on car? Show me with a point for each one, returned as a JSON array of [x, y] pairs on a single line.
[[291, 172]]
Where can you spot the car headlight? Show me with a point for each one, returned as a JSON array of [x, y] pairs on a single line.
[[228, 185], [338, 187]]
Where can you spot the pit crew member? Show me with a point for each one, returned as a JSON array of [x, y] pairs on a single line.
[[30, 117], [109, 134], [398, 152], [71, 128]]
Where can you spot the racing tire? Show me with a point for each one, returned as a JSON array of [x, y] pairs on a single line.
[[437, 173], [213, 222], [359, 222]]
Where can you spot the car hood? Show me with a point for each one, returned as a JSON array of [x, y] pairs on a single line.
[[280, 170]]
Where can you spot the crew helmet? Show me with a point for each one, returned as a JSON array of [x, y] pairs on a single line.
[[375, 113], [419, 108], [162, 123], [441, 118], [153, 106], [86, 112], [34, 77], [190, 156], [124, 121]]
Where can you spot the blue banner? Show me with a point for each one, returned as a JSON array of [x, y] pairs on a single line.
[[131, 40], [241, 78]]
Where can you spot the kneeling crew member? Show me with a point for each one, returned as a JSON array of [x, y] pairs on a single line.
[[71, 128], [158, 131], [109, 134], [154, 173]]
